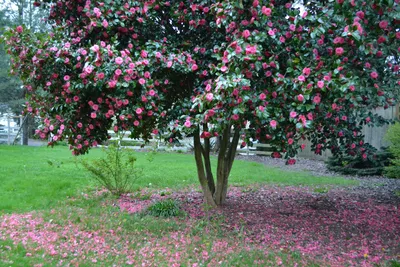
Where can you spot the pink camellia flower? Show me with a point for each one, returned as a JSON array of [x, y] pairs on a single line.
[[112, 83], [209, 97], [211, 113], [374, 75], [143, 53], [66, 78], [119, 60], [289, 162], [187, 123], [290, 141], [100, 75], [224, 68], [194, 67], [169, 64], [95, 48], [139, 111], [320, 84], [339, 51], [142, 81], [93, 115], [262, 96], [303, 146], [118, 72], [207, 134], [360, 14], [381, 39], [306, 71], [383, 24], [301, 78], [352, 88], [246, 34], [235, 117], [276, 155], [317, 99], [152, 92], [136, 123], [266, 11], [273, 123], [271, 32], [293, 114], [20, 29], [105, 23], [251, 49], [300, 97]]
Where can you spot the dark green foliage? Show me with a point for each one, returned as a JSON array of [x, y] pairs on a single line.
[[393, 136], [116, 171], [358, 166], [164, 208]]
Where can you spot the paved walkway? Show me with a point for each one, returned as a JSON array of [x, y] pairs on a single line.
[[36, 142]]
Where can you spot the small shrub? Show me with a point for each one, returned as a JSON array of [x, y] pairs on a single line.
[[164, 208], [116, 172], [358, 166], [321, 190], [393, 136]]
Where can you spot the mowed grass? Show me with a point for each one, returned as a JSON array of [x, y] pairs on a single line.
[[38, 177], [33, 178]]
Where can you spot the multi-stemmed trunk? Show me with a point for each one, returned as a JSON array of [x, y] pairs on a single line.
[[215, 191]]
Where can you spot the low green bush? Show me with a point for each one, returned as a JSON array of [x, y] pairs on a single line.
[[164, 208], [393, 136], [116, 171], [350, 165]]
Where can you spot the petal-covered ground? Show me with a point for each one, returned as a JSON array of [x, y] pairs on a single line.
[[339, 226], [329, 226]]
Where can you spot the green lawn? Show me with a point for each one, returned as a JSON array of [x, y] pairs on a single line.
[[35, 178]]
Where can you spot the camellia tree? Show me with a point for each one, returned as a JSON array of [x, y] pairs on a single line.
[[237, 70]]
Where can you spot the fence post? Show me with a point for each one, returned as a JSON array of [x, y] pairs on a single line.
[[8, 131], [20, 125]]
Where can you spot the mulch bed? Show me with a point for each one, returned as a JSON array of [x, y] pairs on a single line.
[[358, 225]]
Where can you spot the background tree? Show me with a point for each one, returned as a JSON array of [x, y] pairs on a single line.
[[12, 93], [238, 70]]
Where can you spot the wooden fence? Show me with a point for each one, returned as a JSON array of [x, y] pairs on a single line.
[[9, 134], [184, 145]]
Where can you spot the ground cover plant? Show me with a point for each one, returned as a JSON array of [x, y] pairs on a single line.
[[281, 70], [290, 219]]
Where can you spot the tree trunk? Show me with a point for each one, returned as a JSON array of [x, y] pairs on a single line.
[[25, 131], [215, 194], [208, 194], [226, 156]]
